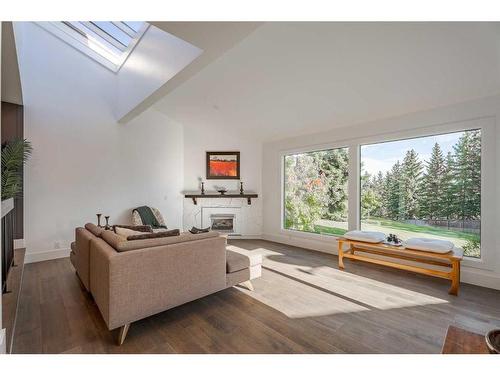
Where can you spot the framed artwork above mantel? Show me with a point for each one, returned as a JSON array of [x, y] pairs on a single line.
[[223, 165]]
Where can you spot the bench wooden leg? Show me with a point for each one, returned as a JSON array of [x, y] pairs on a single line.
[[123, 333], [455, 277], [341, 255]]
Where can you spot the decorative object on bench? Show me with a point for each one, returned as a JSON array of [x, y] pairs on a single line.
[[99, 220], [365, 236], [449, 260], [431, 245], [195, 230], [493, 341], [107, 227], [393, 240], [223, 165], [146, 215]]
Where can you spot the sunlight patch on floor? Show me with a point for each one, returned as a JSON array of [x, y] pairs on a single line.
[[287, 296], [301, 287], [364, 290]]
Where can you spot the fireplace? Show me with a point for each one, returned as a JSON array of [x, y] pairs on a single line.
[[223, 219], [222, 222]]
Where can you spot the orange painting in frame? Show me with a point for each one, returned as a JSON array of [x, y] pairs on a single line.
[[223, 165]]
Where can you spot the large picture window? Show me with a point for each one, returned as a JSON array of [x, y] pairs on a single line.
[[425, 187], [315, 191]]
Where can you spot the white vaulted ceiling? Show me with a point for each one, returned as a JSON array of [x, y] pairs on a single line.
[[287, 79]]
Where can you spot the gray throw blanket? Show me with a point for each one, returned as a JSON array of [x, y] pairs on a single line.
[[148, 217]]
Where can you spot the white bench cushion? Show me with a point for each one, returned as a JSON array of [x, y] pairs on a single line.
[[365, 236], [429, 244]]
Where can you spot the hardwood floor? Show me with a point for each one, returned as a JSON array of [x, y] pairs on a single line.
[[301, 304]]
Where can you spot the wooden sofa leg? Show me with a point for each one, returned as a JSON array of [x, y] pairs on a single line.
[[247, 284], [123, 333]]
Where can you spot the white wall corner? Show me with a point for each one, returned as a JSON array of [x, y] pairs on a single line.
[[46, 255]]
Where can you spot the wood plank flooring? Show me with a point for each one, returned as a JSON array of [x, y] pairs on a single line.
[[301, 304]]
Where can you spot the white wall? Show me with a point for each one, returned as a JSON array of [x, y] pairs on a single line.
[[484, 111], [84, 162], [199, 139]]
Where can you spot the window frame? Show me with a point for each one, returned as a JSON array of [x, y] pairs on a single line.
[[488, 178], [79, 41], [418, 137], [303, 150]]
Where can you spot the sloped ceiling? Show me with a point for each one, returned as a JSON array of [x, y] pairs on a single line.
[[288, 79], [214, 38]]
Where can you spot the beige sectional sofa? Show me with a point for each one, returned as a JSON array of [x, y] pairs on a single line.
[[131, 280]]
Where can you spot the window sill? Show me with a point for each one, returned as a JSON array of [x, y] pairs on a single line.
[[309, 235]]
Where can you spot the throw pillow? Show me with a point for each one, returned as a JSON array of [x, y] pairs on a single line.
[[125, 232], [146, 236], [138, 228], [195, 230]]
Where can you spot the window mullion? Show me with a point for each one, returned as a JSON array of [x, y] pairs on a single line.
[[353, 196]]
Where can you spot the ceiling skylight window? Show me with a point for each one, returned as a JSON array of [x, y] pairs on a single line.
[[109, 43]]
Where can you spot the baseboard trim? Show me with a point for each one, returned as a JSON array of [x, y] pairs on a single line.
[[46, 255], [307, 243], [245, 237], [19, 244], [474, 276]]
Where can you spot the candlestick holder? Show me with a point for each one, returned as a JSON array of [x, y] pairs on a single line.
[[107, 227], [241, 188], [99, 220], [202, 188]]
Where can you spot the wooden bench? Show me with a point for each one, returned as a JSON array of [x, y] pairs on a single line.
[[450, 260]]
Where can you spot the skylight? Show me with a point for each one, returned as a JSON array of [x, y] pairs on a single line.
[[109, 43]]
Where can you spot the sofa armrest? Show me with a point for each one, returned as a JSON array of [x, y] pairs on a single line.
[[147, 281], [101, 255], [82, 254]]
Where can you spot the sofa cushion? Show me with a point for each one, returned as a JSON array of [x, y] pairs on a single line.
[[113, 239], [137, 228], [125, 232], [121, 244], [94, 229], [145, 236], [246, 274], [236, 261]]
